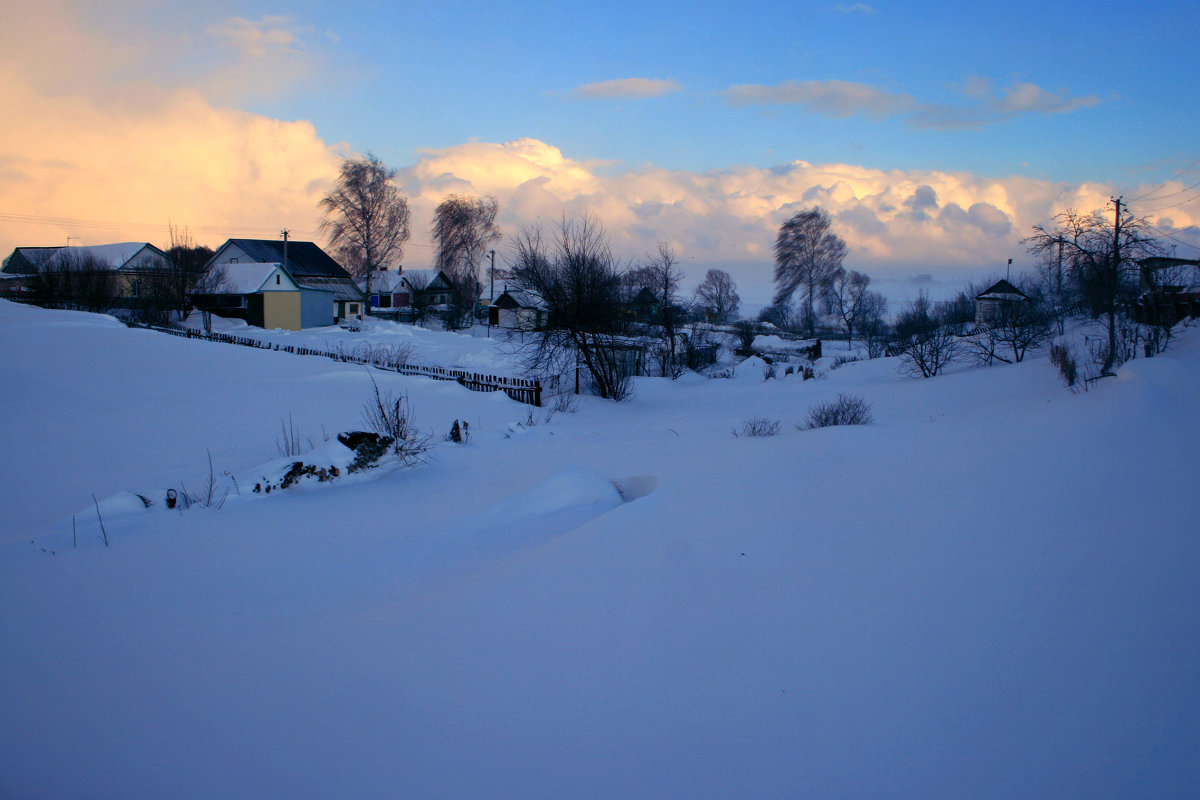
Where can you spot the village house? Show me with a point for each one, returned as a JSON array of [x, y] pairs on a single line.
[[309, 265], [408, 294], [1170, 289], [997, 302], [131, 263], [429, 286], [266, 296]]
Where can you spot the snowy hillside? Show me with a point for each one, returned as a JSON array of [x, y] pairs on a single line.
[[990, 592]]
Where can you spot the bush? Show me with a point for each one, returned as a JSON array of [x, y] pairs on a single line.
[[391, 416], [460, 432], [1068, 370], [843, 358], [756, 427], [845, 410]]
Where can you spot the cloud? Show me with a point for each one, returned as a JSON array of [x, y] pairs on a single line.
[[117, 172], [259, 39], [892, 220], [1026, 98], [987, 107], [624, 89], [920, 202], [983, 106], [833, 98], [267, 57]]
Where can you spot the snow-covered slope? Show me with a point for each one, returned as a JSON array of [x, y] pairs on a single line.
[[989, 592]]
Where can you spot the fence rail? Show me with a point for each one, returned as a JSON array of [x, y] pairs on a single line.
[[523, 390]]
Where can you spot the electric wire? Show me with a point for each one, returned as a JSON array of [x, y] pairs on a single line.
[[1164, 183], [155, 227], [1166, 235]]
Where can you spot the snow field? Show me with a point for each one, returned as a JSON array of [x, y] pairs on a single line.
[[989, 592]]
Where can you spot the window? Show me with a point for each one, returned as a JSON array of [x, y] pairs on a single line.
[[277, 278]]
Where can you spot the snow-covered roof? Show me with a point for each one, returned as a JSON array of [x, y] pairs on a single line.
[[245, 278], [384, 281], [522, 298], [115, 256], [421, 277]]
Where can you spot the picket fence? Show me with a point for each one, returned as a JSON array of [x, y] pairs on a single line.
[[523, 390]]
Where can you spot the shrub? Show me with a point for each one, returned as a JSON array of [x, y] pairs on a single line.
[[391, 416], [756, 427], [1068, 370], [845, 410], [843, 358]]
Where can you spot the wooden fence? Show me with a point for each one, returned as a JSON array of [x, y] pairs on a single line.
[[523, 390]]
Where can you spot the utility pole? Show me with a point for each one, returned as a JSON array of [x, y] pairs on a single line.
[[491, 291], [1114, 277], [1117, 231]]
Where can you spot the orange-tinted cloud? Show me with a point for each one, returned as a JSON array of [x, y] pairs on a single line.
[[171, 158]]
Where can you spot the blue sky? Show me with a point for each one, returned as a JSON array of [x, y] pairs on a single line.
[[487, 71], [703, 125]]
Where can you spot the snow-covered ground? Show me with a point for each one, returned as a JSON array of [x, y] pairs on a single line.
[[990, 592], [493, 351]]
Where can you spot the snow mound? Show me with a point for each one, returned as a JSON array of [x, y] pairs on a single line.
[[636, 486], [560, 503], [752, 370]]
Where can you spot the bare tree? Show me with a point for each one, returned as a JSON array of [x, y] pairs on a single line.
[[464, 228], [366, 217], [1053, 282], [1012, 330], [665, 277], [577, 277], [807, 254], [717, 293], [927, 342], [418, 300], [873, 324], [75, 279], [185, 272], [163, 291], [779, 315], [848, 292], [1103, 259]]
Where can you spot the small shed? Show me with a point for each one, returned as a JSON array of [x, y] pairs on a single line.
[[997, 301], [518, 310]]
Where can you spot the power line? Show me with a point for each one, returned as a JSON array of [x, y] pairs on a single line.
[[1175, 205], [1164, 183], [95, 224], [1181, 191], [1166, 235]]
